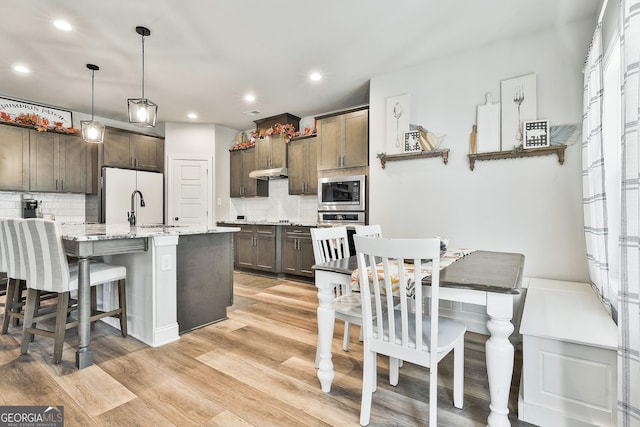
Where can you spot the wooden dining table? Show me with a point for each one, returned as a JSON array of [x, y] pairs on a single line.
[[489, 279]]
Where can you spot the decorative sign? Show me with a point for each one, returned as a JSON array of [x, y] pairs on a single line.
[[536, 134], [41, 117], [412, 141]]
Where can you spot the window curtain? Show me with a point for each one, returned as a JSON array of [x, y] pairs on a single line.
[[628, 298], [594, 199]]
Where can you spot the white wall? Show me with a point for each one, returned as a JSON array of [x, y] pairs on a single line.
[[531, 205], [225, 138]]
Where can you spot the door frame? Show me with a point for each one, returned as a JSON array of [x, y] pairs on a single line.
[[171, 159]]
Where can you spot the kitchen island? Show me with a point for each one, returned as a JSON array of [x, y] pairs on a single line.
[[160, 274]]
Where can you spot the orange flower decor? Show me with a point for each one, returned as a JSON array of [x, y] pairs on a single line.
[[287, 130], [34, 120]]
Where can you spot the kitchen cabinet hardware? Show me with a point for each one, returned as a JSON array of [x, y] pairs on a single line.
[[444, 153], [529, 152]]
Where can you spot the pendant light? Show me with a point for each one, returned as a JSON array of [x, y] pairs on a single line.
[[92, 131], [142, 112]]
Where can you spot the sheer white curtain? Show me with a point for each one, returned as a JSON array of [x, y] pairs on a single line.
[[629, 294], [593, 180]]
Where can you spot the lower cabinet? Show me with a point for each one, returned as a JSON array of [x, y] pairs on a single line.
[[256, 247], [297, 251]]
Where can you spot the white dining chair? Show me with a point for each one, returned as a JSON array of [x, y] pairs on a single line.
[[329, 244], [403, 330], [47, 269]]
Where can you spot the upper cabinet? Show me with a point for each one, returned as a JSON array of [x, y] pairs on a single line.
[[131, 150], [57, 162], [14, 158], [242, 162], [343, 140], [41, 161], [271, 152], [303, 165]]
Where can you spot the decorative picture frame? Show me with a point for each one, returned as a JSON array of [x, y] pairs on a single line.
[[536, 134], [412, 141], [42, 117]]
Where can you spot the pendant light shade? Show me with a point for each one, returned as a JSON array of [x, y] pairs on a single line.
[[92, 131], [142, 111]]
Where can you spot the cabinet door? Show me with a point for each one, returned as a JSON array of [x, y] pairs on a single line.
[[298, 162], [148, 152], [117, 148], [263, 153], [244, 248], [330, 143], [306, 256], [44, 161], [290, 255], [14, 158], [249, 164], [278, 156], [236, 173], [73, 158], [355, 150], [312, 166], [265, 247]]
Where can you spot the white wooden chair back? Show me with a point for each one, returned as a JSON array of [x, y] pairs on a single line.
[[329, 244], [15, 263], [3, 248], [47, 269], [394, 321], [371, 230]]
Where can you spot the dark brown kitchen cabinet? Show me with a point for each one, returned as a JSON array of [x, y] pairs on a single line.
[[126, 149], [256, 247], [271, 152], [14, 158], [57, 162], [303, 165], [343, 140], [297, 251], [241, 163]]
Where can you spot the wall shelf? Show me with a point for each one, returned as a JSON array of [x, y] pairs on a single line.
[[444, 153], [530, 152]]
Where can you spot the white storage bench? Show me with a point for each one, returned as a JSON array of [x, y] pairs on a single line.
[[569, 365]]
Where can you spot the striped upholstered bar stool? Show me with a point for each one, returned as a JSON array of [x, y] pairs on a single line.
[[15, 272], [47, 269]]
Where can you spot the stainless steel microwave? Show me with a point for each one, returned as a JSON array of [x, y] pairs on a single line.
[[342, 193]]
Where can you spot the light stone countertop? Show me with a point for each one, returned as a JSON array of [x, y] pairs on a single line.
[[88, 232], [269, 222]]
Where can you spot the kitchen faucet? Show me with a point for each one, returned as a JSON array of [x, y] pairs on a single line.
[[131, 216]]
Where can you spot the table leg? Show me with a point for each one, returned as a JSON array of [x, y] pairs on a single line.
[[499, 352], [326, 319], [84, 356]]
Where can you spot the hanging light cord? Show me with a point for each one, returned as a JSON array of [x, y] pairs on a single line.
[[143, 66], [92, 75]]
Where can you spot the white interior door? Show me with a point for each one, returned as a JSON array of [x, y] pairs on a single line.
[[190, 195]]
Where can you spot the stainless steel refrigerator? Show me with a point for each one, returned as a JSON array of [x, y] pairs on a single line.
[[118, 186]]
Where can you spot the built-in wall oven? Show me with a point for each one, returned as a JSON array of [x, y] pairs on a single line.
[[342, 201]]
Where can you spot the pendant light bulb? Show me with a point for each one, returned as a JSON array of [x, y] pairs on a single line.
[[92, 131], [142, 111]]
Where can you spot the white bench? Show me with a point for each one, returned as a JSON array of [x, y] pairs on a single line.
[[569, 360]]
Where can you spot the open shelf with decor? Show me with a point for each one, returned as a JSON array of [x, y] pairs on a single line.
[[444, 153], [529, 152]]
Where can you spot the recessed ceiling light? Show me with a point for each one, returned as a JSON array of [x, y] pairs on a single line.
[[315, 76], [62, 25], [192, 115], [250, 97], [22, 69]]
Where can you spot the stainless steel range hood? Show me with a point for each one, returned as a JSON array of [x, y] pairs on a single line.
[[266, 174]]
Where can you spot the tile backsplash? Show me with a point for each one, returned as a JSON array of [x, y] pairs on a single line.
[[65, 207], [279, 205]]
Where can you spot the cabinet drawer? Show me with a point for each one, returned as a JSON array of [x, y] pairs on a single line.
[[266, 230]]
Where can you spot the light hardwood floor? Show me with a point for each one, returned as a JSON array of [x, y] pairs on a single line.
[[254, 369]]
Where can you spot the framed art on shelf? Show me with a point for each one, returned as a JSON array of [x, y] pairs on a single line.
[[536, 134], [412, 141]]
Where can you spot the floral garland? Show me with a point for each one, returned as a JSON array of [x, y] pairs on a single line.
[[288, 130], [40, 123]]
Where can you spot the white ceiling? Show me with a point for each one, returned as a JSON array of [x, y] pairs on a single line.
[[204, 55]]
